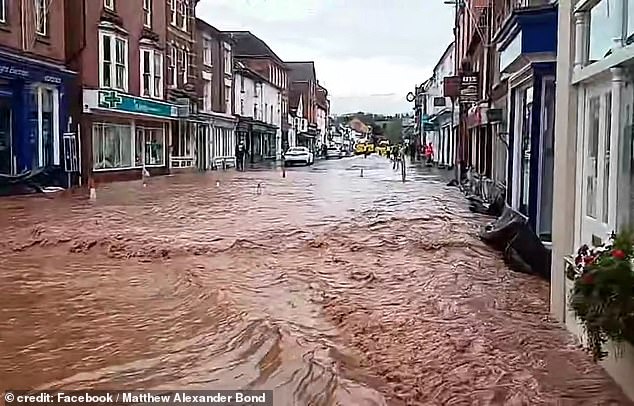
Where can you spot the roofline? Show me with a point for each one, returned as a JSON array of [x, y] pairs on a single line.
[[277, 58], [443, 56], [206, 27], [257, 76]]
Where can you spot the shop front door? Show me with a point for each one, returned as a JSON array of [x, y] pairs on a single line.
[[7, 154], [595, 164]]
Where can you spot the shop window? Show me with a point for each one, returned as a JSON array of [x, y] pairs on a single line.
[[109, 4], [149, 147], [606, 162], [151, 73], [43, 125], [113, 61], [592, 157], [41, 17], [182, 141], [112, 146], [604, 22]]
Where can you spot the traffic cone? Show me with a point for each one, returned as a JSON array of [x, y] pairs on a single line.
[[93, 189]]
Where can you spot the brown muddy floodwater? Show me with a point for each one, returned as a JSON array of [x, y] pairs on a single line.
[[327, 287]]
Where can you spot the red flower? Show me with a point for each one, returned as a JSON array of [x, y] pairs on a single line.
[[587, 279], [588, 260], [618, 254]]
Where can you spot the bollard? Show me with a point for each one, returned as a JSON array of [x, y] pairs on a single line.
[[361, 172], [283, 168], [217, 183], [259, 189], [93, 189]]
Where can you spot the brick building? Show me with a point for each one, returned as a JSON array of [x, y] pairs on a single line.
[[119, 56], [215, 94], [181, 81]]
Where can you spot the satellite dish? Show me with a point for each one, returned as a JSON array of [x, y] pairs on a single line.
[[411, 97]]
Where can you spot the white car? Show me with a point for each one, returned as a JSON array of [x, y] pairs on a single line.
[[298, 155], [333, 153]]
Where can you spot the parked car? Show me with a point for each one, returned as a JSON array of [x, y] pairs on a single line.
[[333, 153], [298, 155]]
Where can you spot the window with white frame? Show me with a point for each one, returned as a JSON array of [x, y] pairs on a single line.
[[113, 61], [207, 95], [207, 51], [109, 4], [611, 25], [227, 98], [227, 57], [149, 148], [41, 17], [3, 11], [147, 13], [112, 146], [171, 66], [183, 65], [151, 73], [179, 13]]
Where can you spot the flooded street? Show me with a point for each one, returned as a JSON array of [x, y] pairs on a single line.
[[327, 287]]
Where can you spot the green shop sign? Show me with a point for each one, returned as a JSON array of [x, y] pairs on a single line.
[[113, 100]]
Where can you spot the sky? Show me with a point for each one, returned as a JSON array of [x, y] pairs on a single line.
[[368, 53]]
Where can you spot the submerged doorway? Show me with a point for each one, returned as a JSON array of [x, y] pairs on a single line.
[[8, 162]]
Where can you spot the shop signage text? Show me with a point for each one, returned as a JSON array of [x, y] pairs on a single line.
[[113, 100], [17, 72], [469, 87]]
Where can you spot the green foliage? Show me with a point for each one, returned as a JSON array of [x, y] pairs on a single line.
[[603, 294]]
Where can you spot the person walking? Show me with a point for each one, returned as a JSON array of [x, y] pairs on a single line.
[[240, 153], [395, 156], [429, 153]]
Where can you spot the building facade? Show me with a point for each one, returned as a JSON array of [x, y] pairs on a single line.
[[441, 117], [216, 97], [526, 62], [303, 80], [181, 80], [258, 109], [593, 178], [125, 120], [322, 113], [34, 88], [257, 58]]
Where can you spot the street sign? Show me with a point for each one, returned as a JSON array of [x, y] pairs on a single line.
[[469, 82], [451, 86]]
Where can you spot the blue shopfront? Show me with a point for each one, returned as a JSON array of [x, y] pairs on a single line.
[[527, 46], [33, 114]]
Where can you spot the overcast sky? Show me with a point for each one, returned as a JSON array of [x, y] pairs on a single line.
[[367, 53]]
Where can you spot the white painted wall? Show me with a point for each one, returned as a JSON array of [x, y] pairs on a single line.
[[322, 120]]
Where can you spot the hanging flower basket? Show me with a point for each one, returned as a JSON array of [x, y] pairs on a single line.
[[603, 293]]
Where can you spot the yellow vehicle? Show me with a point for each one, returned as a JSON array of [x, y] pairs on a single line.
[[359, 148], [369, 148], [384, 148]]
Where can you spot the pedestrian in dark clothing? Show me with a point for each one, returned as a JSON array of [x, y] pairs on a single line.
[[240, 152]]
